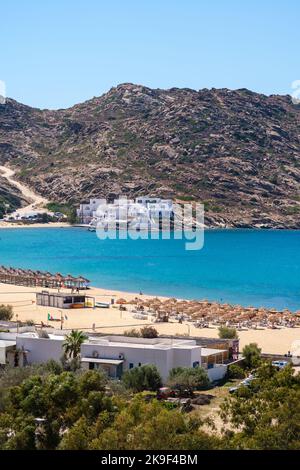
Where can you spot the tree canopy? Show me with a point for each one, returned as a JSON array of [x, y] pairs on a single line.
[[225, 332], [6, 312], [146, 377], [252, 355], [266, 414], [188, 378], [47, 407]]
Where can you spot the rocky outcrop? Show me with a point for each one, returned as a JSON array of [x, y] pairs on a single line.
[[236, 151]]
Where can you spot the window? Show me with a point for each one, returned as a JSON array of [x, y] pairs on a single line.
[[68, 300], [196, 364], [130, 365], [140, 364]]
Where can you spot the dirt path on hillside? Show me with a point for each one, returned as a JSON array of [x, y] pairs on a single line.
[[36, 202]]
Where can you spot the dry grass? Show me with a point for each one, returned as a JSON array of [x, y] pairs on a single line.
[[211, 410]]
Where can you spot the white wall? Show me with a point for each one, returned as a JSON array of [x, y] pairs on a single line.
[[41, 349], [184, 357], [164, 358], [160, 357], [217, 373], [8, 336]]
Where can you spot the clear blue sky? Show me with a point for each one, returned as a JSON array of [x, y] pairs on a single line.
[[60, 52]]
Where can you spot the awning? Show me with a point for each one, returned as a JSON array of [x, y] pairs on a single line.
[[206, 352], [97, 360]]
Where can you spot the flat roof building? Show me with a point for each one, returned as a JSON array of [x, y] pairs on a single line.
[[116, 354], [64, 300]]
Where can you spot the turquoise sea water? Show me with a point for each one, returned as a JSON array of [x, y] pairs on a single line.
[[247, 267]]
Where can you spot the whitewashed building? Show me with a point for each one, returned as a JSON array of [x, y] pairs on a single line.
[[86, 211], [143, 211], [116, 354]]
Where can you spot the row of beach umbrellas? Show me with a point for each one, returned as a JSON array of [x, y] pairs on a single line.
[[213, 311], [18, 276]]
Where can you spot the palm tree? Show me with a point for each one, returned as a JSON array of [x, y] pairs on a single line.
[[73, 342]]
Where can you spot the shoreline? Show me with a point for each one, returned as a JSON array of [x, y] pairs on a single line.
[[4, 225], [112, 320], [8, 225]]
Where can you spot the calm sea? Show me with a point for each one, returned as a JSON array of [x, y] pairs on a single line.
[[247, 267]]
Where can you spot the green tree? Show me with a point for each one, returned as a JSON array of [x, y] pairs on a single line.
[[141, 425], [72, 216], [188, 378], [78, 436], [266, 414], [58, 401], [6, 312], [225, 332], [92, 381], [67, 209], [236, 372], [141, 378], [73, 342], [52, 366], [252, 355]]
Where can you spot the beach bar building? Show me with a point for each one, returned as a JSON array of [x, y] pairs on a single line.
[[64, 300]]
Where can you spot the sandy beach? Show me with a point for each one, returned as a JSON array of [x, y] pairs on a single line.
[[112, 320], [34, 225]]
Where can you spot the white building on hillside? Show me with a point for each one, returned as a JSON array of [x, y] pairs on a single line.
[[145, 211], [86, 211]]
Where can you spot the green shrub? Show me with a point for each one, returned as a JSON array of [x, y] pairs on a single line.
[[6, 312], [252, 355], [188, 378], [68, 209], [134, 333], [227, 333], [142, 378], [236, 372], [149, 332]]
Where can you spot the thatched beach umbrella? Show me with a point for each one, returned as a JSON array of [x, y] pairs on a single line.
[[81, 282]]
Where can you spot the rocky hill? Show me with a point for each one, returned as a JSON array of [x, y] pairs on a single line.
[[10, 197], [236, 151]]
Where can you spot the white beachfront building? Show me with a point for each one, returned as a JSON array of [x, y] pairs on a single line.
[[86, 211], [144, 212], [156, 206], [116, 354]]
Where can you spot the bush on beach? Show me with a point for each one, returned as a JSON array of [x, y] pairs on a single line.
[[149, 332], [6, 312], [227, 333]]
